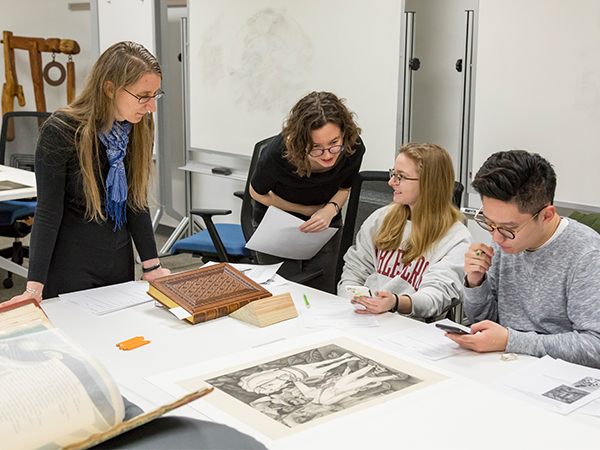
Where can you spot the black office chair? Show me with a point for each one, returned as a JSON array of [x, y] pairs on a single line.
[[227, 242], [18, 141], [370, 192]]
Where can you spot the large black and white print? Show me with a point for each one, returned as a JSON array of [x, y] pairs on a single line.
[[311, 384]]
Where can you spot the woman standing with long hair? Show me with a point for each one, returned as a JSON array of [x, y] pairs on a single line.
[[411, 253], [93, 163], [308, 170]]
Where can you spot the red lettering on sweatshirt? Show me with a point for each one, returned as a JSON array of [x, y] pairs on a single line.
[[389, 264]]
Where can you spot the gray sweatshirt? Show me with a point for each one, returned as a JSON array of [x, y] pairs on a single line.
[[549, 299], [432, 281]]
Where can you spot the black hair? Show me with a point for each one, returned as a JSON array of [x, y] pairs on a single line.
[[519, 177]]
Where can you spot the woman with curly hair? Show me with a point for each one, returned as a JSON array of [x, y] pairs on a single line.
[[308, 170], [93, 163], [410, 254]]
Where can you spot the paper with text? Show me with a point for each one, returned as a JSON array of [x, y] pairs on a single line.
[[334, 313], [553, 384], [107, 299], [427, 340]]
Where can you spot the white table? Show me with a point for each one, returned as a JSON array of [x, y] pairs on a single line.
[[26, 178], [456, 413]]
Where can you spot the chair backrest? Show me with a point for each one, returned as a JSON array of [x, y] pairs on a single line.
[[248, 201], [18, 149], [370, 192]]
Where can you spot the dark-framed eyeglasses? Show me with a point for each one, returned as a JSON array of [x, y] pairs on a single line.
[[334, 150], [506, 232], [144, 100], [398, 178]]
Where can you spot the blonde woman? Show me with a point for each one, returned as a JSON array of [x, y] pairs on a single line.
[[411, 253], [93, 163]]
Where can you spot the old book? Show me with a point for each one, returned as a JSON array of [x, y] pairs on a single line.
[[207, 293], [54, 394], [267, 311]]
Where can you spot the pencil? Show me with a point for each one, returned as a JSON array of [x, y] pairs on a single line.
[[306, 301]]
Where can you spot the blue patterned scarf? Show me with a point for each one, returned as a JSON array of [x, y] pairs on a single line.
[[115, 140]]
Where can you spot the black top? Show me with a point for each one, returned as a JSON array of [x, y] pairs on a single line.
[[60, 211], [275, 173]]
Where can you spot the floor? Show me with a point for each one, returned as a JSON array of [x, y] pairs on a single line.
[[177, 263]]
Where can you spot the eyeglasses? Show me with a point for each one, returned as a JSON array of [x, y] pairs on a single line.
[[334, 150], [144, 100], [506, 232], [398, 178]]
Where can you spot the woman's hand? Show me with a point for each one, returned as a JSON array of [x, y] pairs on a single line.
[[382, 302], [157, 273], [320, 220], [33, 292]]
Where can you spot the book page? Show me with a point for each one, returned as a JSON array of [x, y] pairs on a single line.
[[52, 393]]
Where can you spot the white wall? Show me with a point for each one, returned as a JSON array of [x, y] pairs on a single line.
[[47, 19]]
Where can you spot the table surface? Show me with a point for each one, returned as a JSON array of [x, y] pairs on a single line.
[[456, 412], [18, 176]]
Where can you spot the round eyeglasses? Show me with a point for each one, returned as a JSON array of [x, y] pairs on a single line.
[[506, 232], [398, 178], [334, 150], [144, 100]]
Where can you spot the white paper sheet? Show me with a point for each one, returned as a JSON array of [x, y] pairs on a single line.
[[263, 275], [278, 235], [553, 384], [428, 341], [334, 313], [108, 299]]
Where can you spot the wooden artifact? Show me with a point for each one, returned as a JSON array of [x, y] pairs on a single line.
[[207, 293], [267, 311], [35, 47]]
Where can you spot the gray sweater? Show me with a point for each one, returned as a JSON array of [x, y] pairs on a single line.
[[548, 299]]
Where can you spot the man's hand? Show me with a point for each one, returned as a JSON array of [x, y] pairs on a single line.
[[478, 261], [490, 337]]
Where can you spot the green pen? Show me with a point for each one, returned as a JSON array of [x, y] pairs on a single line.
[[306, 301]]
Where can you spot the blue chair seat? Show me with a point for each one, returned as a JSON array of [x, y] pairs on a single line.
[[231, 235], [10, 210]]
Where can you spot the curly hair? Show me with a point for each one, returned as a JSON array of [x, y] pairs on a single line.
[[517, 176], [313, 112]]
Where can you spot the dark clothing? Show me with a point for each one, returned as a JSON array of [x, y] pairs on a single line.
[[275, 173], [67, 251]]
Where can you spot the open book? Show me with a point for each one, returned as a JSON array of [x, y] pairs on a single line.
[[53, 394]]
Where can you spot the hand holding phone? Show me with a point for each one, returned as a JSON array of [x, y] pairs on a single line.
[[358, 291], [450, 329]]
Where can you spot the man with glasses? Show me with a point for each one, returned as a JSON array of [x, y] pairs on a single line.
[[536, 290]]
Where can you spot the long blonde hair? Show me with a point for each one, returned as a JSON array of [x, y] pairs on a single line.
[[122, 65], [433, 214]]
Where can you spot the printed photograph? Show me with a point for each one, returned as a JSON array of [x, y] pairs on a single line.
[[565, 394], [312, 384], [588, 384]]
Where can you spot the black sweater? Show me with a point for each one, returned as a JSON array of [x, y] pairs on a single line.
[[60, 212]]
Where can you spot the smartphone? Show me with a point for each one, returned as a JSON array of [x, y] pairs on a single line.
[[450, 329], [358, 291]]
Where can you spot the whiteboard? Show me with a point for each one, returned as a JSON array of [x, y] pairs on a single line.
[[126, 20], [538, 89], [250, 61]]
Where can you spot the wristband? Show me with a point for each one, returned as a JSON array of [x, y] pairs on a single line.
[[395, 308], [150, 269], [337, 207]]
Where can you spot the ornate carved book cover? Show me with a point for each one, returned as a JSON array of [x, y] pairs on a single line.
[[207, 293]]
